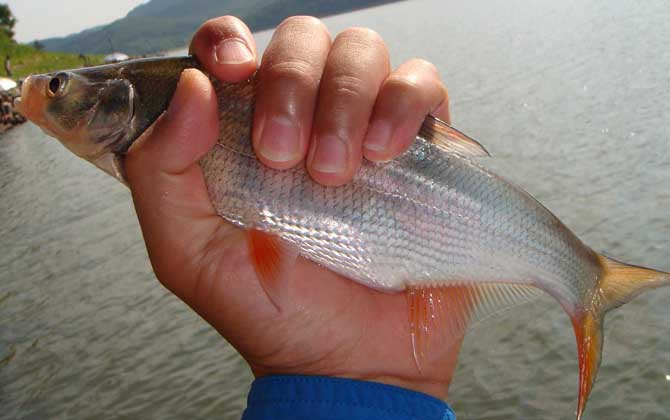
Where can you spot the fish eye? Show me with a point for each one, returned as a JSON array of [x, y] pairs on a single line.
[[57, 84]]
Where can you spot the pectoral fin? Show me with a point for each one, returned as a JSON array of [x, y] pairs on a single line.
[[113, 165], [272, 258]]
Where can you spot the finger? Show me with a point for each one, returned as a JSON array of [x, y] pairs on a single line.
[[356, 67], [288, 85], [410, 93], [225, 48], [168, 188]]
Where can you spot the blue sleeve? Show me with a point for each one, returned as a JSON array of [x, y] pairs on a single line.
[[321, 398]]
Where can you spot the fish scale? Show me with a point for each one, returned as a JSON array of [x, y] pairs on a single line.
[[450, 219], [458, 240]]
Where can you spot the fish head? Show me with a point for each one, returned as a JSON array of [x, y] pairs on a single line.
[[98, 112], [89, 116]]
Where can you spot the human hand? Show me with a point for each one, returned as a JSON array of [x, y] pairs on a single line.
[[321, 103]]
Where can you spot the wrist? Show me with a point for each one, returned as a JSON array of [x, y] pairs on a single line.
[[436, 386], [433, 388]]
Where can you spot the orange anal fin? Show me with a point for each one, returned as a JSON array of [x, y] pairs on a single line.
[[272, 258], [588, 332], [440, 315], [437, 313]]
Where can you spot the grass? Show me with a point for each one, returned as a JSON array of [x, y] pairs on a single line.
[[26, 60]]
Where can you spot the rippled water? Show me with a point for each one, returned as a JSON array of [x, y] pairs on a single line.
[[571, 99]]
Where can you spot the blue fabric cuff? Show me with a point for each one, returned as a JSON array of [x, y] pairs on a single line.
[[320, 397]]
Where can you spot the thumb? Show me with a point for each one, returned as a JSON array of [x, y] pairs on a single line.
[[168, 187]]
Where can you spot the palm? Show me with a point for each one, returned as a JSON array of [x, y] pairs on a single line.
[[326, 325]]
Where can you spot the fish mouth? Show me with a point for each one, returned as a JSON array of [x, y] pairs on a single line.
[[22, 103], [32, 102]]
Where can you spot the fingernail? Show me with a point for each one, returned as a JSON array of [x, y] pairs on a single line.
[[232, 51], [330, 155], [379, 136], [279, 140]]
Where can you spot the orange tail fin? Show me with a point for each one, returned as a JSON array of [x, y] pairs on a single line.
[[619, 284]]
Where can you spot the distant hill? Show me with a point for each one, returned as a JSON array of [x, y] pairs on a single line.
[[161, 25]]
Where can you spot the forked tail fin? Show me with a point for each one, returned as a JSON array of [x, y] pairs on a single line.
[[619, 284]]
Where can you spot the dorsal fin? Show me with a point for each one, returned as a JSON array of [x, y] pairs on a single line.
[[449, 139]]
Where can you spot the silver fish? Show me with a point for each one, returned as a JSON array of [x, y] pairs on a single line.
[[433, 223]]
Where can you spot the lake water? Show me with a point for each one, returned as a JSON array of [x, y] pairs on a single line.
[[571, 98]]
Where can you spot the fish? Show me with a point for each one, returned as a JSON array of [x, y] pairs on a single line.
[[434, 223]]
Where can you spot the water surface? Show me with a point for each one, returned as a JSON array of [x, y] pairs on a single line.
[[570, 98]]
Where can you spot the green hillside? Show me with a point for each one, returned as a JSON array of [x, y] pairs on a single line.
[[26, 60], [161, 25]]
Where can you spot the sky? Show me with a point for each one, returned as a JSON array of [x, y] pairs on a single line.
[[39, 19]]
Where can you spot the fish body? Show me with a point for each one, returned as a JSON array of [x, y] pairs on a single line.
[[429, 218], [433, 223]]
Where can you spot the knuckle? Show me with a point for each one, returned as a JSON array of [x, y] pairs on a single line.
[[407, 93], [415, 84], [295, 70], [211, 25], [403, 85], [362, 48], [424, 65], [363, 35], [216, 29], [303, 22], [349, 87], [303, 26], [206, 33], [219, 25]]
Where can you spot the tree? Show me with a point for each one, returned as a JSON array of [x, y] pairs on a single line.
[[38, 45], [7, 21]]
